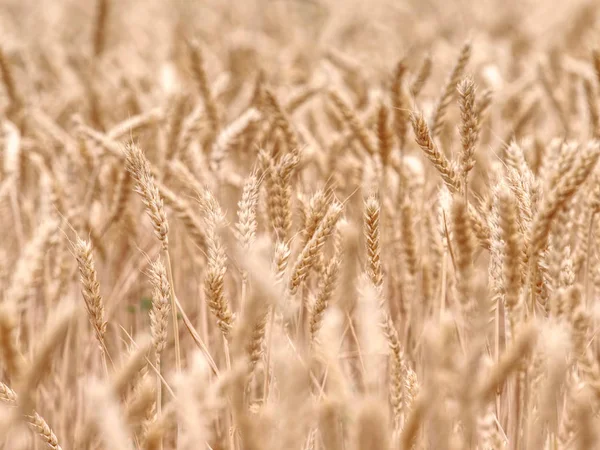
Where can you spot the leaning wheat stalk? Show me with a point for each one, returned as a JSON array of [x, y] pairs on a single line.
[[140, 170]]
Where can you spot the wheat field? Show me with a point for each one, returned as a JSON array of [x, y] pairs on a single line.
[[299, 225]]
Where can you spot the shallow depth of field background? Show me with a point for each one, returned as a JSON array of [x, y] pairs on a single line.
[[376, 222]]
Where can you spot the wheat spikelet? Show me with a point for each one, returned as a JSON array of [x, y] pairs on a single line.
[[327, 285], [317, 208], [469, 124], [217, 264], [160, 305], [184, 212], [372, 234], [139, 168], [281, 256], [437, 120], [279, 195], [34, 420], [43, 430], [235, 130], [384, 135], [246, 225], [397, 363], [140, 403], [309, 253], [437, 158], [422, 76], [464, 248], [512, 255], [519, 350], [565, 190], [408, 236], [360, 131], [399, 103], [281, 121], [90, 288]]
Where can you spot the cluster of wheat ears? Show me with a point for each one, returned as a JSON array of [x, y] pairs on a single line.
[[208, 250]]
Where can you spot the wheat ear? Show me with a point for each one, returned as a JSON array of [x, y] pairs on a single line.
[[437, 158], [400, 105], [159, 318], [437, 121], [422, 76], [469, 127], [34, 420], [90, 289], [140, 170], [214, 281], [309, 253]]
